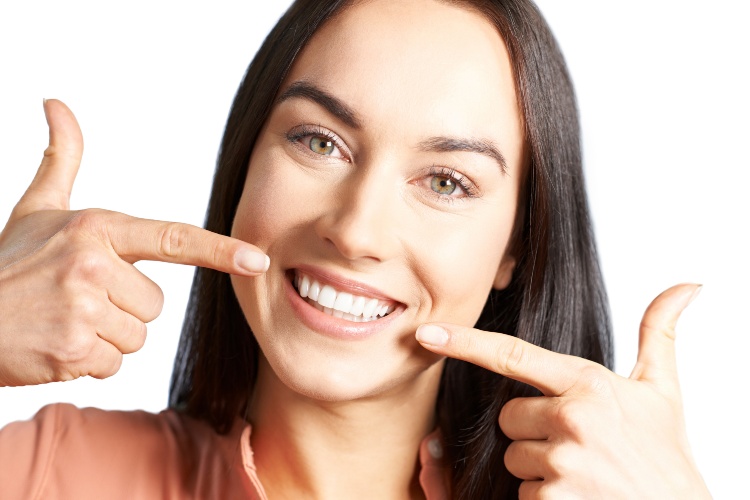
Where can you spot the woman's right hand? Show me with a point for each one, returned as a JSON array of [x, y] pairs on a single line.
[[71, 301]]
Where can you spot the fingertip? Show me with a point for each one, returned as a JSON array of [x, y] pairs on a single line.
[[679, 296], [696, 291], [65, 132], [665, 310], [432, 335], [252, 261], [44, 108]]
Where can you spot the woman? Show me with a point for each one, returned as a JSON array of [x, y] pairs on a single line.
[[439, 141]]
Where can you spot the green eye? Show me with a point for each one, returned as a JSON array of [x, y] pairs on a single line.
[[322, 145], [442, 184]]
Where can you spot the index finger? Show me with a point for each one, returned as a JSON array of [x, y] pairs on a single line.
[[552, 373], [135, 239]]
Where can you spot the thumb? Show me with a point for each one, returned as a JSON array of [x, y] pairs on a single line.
[[656, 344], [51, 187]]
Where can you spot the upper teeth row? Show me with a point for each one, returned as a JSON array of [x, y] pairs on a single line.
[[327, 296]]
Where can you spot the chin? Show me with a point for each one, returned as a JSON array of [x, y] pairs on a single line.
[[318, 372]]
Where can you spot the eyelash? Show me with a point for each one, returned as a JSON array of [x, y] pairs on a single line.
[[297, 133], [468, 187], [463, 182]]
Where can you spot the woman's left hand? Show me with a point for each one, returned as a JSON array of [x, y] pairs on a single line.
[[593, 434]]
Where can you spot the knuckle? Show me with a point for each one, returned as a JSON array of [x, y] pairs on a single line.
[[137, 337], [466, 343], [85, 309], [115, 364], [90, 220], [668, 331], [172, 240], [559, 461], [157, 304], [511, 357], [220, 250], [87, 264], [109, 367], [151, 302], [74, 348], [571, 418], [595, 380]]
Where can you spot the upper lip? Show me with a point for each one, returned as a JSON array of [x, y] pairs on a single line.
[[343, 284]]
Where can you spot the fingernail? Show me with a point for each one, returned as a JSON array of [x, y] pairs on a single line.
[[695, 294], [432, 335], [254, 262]]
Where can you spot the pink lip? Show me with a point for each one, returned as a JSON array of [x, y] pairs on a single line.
[[345, 284], [337, 327]]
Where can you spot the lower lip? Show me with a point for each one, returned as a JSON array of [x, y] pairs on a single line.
[[335, 327]]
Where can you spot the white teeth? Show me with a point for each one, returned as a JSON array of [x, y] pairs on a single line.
[[314, 290], [369, 308], [343, 302], [340, 304], [327, 296], [358, 306], [304, 286]]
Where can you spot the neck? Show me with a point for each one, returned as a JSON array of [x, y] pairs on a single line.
[[368, 448]]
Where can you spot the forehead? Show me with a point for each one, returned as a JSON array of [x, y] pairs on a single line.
[[416, 64]]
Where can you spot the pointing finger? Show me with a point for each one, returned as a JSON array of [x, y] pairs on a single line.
[[550, 372], [143, 239], [50, 189], [656, 343]]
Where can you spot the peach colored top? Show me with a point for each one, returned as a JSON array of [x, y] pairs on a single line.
[[66, 452]]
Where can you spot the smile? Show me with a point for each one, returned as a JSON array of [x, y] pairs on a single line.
[[340, 304]]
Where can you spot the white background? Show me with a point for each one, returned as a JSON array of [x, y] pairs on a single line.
[[664, 104]]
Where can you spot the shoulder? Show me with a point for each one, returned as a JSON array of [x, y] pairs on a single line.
[[65, 450], [91, 433]]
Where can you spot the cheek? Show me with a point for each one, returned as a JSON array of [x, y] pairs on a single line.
[[459, 270], [264, 212]]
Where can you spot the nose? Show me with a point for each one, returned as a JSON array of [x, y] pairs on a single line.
[[362, 220]]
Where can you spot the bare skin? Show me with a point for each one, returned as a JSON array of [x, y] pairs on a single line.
[[77, 265], [594, 434], [343, 418]]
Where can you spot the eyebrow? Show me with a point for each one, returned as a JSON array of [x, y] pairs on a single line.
[[331, 103], [440, 144], [485, 147]]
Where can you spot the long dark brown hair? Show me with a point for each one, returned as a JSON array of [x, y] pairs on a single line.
[[556, 298]]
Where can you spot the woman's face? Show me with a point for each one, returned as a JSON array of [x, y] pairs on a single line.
[[388, 173]]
